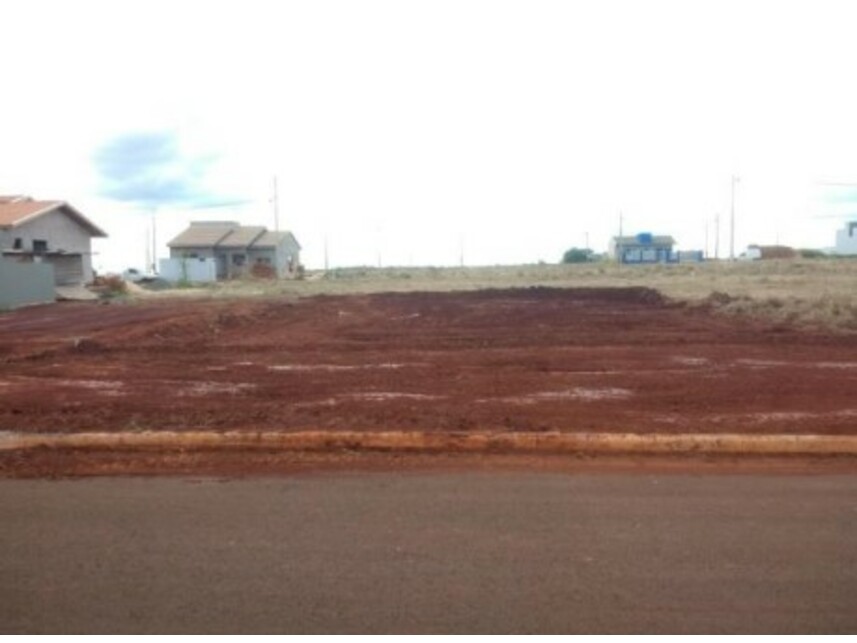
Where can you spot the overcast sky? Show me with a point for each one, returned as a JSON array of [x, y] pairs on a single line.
[[410, 131]]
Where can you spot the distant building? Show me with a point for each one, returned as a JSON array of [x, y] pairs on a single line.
[[846, 239], [50, 232], [643, 248], [755, 253], [238, 250]]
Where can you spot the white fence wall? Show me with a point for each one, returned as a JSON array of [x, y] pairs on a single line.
[[194, 270]]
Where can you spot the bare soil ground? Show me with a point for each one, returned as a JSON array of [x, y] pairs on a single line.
[[537, 359]]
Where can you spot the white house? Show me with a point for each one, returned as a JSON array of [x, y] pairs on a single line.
[[239, 250], [50, 232]]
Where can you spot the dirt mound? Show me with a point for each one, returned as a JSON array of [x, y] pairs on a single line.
[[529, 360], [631, 295]]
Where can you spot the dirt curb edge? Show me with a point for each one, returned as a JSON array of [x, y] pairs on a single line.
[[427, 442]]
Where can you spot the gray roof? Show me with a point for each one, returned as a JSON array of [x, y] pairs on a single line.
[[228, 234], [241, 237], [273, 239], [201, 236]]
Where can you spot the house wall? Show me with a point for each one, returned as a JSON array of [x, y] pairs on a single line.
[[291, 258], [181, 253], [846, 240], [68, 269], [61, 233], [237, 262], [25, 283], [266, 256], [284, 259], [288, 258]]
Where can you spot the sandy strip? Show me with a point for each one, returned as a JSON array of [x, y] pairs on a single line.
[[427, 442]]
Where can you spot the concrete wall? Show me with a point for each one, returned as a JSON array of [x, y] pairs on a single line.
[[203, 252], [199, 270], [61, 233], [25, 283], [291, 254]]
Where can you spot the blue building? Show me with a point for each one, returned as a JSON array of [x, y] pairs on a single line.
[[643, 248]]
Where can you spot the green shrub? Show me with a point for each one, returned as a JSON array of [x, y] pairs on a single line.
[[577, 255]]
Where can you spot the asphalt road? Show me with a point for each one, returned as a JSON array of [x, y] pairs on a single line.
[[487, 552]]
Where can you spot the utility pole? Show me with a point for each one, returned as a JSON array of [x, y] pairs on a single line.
[[148, 247], [154, 242], [326, 265], [735, 180], [378, 242], [705, 254], [619, 251], [717, 236], [276, 201]]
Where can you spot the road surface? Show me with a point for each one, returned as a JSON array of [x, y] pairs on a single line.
[[431, 552]]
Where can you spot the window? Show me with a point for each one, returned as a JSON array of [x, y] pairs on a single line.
[[238, 260], [18, 244], [40, 246]]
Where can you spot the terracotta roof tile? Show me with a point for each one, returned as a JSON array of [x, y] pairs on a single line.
[[15, 210]]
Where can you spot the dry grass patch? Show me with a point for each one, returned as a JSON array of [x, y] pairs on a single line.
[[817, 292]]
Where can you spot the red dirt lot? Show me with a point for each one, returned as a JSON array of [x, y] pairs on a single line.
[[595, 360]]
